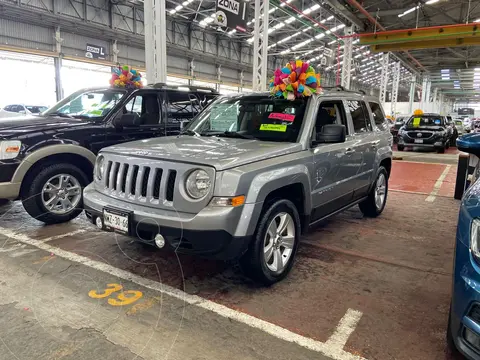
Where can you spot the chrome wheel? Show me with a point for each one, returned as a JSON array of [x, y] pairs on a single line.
[[61, 194], [380, 191], [279, 242]]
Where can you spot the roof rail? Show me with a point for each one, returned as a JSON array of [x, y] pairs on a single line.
[[191, 87], [341, 88]]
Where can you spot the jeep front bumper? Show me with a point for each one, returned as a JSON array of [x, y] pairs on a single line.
[[213, 232]]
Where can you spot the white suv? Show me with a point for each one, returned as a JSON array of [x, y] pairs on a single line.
[[21, 110]]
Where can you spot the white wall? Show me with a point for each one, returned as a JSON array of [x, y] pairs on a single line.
[[403, 108]]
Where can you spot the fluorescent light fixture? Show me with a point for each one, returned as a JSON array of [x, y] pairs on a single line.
[[408, 11], [173, 11], [430, 2], [250, 39], [332, 42], [290, 20], [478, 20], [232, 32], [208, 20], [285, 51], [330, 18], [179, 7], [306, 29], [288, 2], [185, 3], [319, 36]]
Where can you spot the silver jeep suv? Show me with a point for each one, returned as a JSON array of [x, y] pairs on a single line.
[[247, 176]]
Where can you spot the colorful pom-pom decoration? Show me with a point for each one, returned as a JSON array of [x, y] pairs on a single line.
[[296, 79], [126, 77]]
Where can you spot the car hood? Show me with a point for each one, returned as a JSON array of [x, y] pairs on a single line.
[[218, 152], [11, 127]]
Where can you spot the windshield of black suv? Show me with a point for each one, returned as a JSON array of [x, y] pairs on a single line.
[[250, 117], [426, 120], [89, 104]]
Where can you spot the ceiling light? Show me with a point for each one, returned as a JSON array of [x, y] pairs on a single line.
[[290, 20], [173, 11], [330, 18], [185, 3], [179, 7], [319, 36], [429, 2], [478, 20], [288, 2]]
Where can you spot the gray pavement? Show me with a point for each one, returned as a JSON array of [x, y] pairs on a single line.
[[48, 313]]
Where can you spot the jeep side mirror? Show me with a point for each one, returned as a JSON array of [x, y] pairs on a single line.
[[331, 133], [127, 120]]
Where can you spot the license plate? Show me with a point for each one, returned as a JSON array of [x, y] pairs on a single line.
[[418, 141], [116, 220]]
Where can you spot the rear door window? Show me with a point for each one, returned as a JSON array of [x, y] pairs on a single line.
[[379, 116], [360, 116]]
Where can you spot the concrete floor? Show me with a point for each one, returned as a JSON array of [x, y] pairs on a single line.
[[360, 289]]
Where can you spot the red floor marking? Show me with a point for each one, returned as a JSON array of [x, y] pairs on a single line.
[[416, 177]]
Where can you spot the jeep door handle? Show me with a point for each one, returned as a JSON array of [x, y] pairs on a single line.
[[349, 151]]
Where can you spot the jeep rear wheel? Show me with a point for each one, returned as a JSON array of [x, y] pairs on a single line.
[[272, 251], [54, 194]]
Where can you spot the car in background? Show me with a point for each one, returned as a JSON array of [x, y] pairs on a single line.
[[463, 331], [17, 110], [460, 127], [47, 160], [396, 125], [428, 131]]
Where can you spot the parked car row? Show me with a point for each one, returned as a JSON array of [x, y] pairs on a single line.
[[241, 181]]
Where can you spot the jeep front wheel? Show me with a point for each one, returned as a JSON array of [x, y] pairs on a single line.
[[272, 251], [54, 194], [374, 204]]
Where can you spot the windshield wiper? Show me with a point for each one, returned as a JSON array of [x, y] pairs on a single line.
[[189, 132], [59, 114], [234, 134]]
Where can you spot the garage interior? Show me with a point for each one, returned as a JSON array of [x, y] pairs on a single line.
[[361, 288]]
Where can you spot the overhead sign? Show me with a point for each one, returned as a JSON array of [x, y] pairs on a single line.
[[231, 14], [328, 52], [95, 52]]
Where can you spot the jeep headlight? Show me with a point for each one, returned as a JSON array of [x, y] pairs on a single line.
[[100, 167], [198, 184], [475, 238], [9, 149]]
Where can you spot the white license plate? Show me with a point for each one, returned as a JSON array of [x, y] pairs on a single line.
[[418, 141], [115, 221]]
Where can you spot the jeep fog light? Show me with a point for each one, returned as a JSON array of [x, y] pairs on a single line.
[[198, 184], [228, 201], [475, 238]]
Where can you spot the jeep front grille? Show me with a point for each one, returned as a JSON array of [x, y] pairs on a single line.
[[139, 182], [425, 134]]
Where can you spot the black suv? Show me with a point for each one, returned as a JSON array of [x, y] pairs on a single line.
[[425, 131], [46, 160]]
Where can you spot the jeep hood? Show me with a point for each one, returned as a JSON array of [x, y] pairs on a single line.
[[218, 152]]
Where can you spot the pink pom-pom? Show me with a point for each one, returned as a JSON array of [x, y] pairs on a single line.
[[283, 76], [305, 67]]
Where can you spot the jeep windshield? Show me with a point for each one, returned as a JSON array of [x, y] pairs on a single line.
[[250, 117], [425, 121], [87, 104]]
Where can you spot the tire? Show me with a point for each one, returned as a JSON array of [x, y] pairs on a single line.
[[369, 206], [441, 150], [451, 347], [253, 262], [400, 147], [33, 197]]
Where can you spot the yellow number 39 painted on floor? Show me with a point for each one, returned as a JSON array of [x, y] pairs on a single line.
[[126, 297]]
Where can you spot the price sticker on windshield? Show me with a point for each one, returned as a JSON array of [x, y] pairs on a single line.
[[273, 127], [416, 121], [281, 116]]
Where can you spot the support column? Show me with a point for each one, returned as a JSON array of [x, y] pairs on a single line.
[[384, 78], [411, 95], [435, 107], [115, 52], [395, 86], [347, 59], [219, 77], [424, 92], [57, 63], [427, 96], [260, 45], [242, 80], [192, 72], [155, 40]]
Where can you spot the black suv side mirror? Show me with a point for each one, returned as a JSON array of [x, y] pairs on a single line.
[[127, 120], [332, 133]]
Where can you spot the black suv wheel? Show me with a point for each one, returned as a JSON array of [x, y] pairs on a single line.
[[53, 194], [272, 251]]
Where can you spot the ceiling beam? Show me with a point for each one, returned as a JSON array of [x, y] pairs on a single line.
[[347, 14]]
